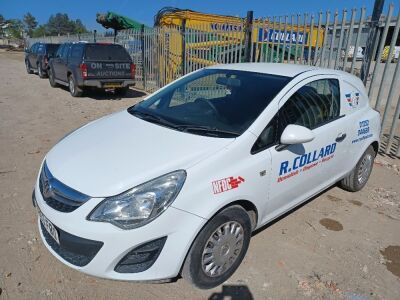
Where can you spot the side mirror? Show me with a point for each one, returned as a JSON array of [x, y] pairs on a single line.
[[296, 134]]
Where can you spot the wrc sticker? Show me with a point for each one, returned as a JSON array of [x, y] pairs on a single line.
[[226, 184]]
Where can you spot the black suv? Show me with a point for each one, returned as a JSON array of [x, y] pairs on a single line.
[[38, 56], [82, 65]]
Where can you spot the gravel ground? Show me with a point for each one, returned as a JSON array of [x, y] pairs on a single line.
[[339, 245]]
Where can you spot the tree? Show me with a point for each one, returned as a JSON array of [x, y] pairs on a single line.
[[2, 20], [30, 23], [15, 28], [40, 31], [79, 27], [60, 24]]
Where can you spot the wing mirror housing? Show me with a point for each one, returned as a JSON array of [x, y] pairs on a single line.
[[296, 134]]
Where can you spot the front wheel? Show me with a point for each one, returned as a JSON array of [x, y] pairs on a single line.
[[74, 90], [359, 176], [218, 249]]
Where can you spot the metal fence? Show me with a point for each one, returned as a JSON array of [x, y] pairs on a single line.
[[331, 40]]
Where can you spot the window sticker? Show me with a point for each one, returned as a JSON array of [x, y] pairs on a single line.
[[353, 99]]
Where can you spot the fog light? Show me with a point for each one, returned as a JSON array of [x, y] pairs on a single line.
[[141, 258]]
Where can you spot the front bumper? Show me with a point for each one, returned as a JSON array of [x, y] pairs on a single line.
[[99, 83], [179, 227]]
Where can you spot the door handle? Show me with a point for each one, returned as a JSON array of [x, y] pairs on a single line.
[[340, 137]]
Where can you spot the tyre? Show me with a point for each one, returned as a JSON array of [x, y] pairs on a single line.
[[74, 90], [28, 67], [40, 71], [358, 177], [218, 249], [52, 81]]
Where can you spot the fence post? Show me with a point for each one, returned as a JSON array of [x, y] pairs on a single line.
[[372, 36], [94, 35], [248, 40], [183, 33], [143, 55]]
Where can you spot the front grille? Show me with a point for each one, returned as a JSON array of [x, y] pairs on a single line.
[[57, 195], [75, 250]]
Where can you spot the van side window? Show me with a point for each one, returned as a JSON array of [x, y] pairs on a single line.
[[76, 51], [60, 50], [313, 105]]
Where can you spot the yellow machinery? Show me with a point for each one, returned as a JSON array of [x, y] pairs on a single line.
[[209, 39]]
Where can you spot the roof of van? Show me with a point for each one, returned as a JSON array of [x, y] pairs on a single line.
[[289, 70]]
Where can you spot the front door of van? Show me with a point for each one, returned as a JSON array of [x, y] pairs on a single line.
[[302, 170]]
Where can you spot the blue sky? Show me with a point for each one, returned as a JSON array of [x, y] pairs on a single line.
[[144, 11]]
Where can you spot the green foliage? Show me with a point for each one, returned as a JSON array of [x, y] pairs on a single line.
[[58, 24], [15, 28], [30, 23], [61, 24], [40, 31]]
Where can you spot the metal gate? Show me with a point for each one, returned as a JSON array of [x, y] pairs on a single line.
[[334, 40]]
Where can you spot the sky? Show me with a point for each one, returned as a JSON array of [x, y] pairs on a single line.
[[144, 11]]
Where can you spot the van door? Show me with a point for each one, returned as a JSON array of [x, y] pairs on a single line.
[[300, 171]]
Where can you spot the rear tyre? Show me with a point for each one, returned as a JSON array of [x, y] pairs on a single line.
[[40, 71], [359, 176], [74, 90], [28, 67], [218, 249], [52, 81]]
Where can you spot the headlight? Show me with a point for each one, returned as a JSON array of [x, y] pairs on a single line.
[[142, 204]]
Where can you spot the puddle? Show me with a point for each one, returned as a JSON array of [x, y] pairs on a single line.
[[333, 198], [355, 202], [331, 224], [392, 257]]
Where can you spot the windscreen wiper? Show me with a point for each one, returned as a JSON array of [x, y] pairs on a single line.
[[153, 118], [207, 130]]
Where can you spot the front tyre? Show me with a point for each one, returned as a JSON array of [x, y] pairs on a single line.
[[28, 67], [74, 90], [359, 176], [218, 249]]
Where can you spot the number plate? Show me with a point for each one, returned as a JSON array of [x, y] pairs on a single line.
[[112, 85], [49, 226]]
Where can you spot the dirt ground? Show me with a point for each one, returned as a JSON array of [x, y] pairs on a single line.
[[339, 245]]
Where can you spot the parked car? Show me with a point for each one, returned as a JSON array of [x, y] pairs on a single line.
[[82, 65], [38, 56], [178, 182]]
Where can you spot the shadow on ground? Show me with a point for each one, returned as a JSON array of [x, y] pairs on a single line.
[[98, 94], [393, 147], [233, 292]]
